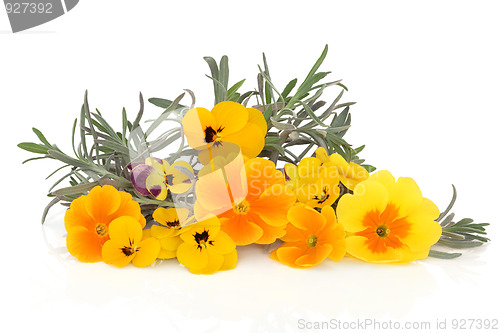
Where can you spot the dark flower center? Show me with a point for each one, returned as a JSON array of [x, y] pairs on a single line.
[[202, 239]]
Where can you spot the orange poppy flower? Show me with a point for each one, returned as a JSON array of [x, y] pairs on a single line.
[[88, 218], [311, 237], [251, 201]]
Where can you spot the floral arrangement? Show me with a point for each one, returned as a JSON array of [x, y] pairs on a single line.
[[279, 173]]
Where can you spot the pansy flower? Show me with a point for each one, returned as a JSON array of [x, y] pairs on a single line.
[[171, 221], [155, 177], [227, 123], [206, 249], [126, 244], [350, 174], [314, 183], [388, 221]]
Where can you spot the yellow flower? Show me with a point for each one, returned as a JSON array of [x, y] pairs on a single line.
[[351, 174], [156, 177], [388, 221], [88, 218], [206, 249], [171, 221], [228, 123], [125, 244], [311, 237], [315, 183]]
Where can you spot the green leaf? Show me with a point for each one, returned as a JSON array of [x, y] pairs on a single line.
[[231, 91], [47, 208], [443, 255], [224, 71], [161, 102], [369, 168], [272, 146], [33, 147], [459, 244], [289, 88], [42, 138]]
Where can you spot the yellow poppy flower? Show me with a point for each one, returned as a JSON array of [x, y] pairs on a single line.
[[206, 249], [350, 174], [227, 123], [311, 237], [171, 221], [125, 244], [388, 221], [88, 218]]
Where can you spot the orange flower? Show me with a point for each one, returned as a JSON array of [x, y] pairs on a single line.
[[88, 218], [251, 200], [311, 237]]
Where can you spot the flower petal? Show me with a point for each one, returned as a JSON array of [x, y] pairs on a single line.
[[256, 117], [113, 254], [273, 205], [84, 245], [102, 202], [230, 261], [223, 244], [77, 215], [357, 247], [241, 230], [250, 140], [146, 253], [306, 218], [314, 256], [369, 196], [424, 230], [194, 123], [138, 177], [231, 117], [125, 230], [192, 257], [215, 261]]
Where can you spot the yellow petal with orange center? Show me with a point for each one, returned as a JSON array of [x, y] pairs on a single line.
[[369, 196], [358, 247]]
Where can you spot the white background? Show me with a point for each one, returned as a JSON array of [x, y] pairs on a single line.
[[425, 75]]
